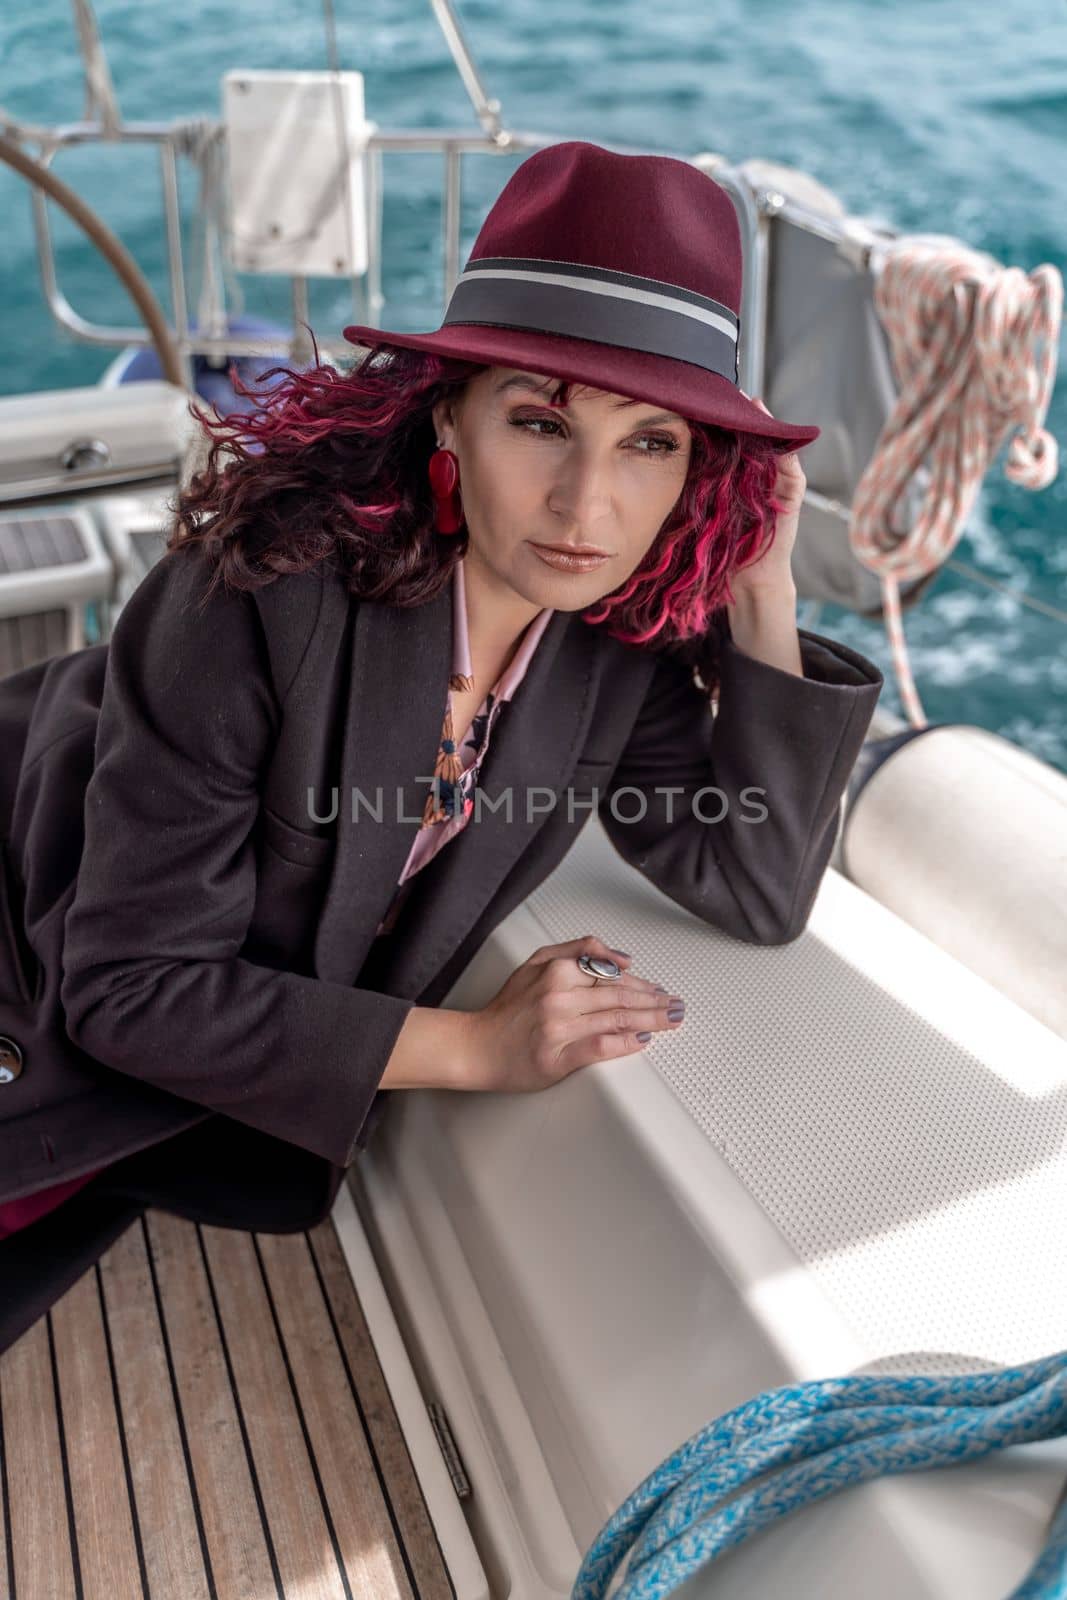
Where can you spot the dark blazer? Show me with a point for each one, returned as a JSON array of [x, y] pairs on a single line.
[[197, 949]]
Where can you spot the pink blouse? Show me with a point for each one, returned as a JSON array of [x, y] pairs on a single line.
[[448, 806], [459, 761]]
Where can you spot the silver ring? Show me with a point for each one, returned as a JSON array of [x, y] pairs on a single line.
[[599, 968]]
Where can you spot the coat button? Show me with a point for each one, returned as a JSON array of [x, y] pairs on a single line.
[[10, 1060]]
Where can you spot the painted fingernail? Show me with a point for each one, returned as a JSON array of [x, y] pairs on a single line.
[[662, 988], [676, 1011], [644, 1037], [624, 953]]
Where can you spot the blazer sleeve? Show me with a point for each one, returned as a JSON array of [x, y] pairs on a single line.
[[153, 982], [790, 742]]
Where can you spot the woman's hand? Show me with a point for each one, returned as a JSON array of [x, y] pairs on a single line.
[[550, 1018], [772, 573]]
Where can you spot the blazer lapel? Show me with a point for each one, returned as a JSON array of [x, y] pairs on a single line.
[[401, 659], [391, 728]]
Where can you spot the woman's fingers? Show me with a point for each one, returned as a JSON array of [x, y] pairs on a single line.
[[564, 955], [550, 1018], [589, 945], [565, 975], [618, 1007], [605, 1032]]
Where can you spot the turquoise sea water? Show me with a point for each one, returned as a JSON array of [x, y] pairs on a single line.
[[935, 115]]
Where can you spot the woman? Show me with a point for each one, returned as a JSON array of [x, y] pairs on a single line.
[[286, 859]]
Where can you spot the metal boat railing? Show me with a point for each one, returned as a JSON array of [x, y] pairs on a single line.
[[175, 139], [195, 138]]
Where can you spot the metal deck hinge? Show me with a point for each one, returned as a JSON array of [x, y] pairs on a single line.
[[460, 1482]]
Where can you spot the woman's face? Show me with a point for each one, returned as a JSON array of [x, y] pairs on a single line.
[[603, 470]]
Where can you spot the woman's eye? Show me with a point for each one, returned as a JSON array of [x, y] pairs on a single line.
[[533, 422], [665, 444]]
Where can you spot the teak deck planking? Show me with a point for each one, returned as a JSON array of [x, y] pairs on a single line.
[[203, 1416]]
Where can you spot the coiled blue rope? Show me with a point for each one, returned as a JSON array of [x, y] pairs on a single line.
[[816, 1438]]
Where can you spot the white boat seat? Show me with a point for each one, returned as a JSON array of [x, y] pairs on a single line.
[[135, 526], [52, 563], [851, 1157]]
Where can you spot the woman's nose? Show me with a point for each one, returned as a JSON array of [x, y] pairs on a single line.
[[582, 491]]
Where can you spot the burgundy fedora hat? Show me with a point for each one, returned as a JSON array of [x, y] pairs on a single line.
[[622, 272]]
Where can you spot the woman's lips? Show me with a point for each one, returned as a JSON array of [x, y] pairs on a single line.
[[565, 562]]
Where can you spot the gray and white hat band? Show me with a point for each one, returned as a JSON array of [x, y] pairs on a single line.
[[582, 302]]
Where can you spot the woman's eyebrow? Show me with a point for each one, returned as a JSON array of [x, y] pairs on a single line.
[[520, 382], [532, 385]]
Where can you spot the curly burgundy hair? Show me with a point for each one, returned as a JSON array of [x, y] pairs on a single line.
[[332, 467]]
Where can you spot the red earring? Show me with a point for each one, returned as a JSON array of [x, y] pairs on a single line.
[[444, 480]]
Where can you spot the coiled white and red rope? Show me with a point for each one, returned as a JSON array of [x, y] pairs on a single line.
[[974, 347]]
